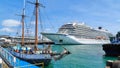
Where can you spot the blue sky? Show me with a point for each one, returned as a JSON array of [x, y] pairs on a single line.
[[95, 13]]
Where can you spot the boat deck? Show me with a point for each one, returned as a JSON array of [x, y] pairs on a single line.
[[14, 62]]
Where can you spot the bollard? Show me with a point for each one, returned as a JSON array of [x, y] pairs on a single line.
[[109, 63]]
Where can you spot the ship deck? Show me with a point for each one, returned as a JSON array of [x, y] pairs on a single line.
[[13, 62]]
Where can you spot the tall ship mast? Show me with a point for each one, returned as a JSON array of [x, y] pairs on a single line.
[[36, 25], [23, 16], [33, 54], [25, 52]]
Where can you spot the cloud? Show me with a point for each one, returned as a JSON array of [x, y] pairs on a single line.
[[7, 30], [32, 23], [10, 23]]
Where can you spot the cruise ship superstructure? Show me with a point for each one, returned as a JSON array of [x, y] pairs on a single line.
[[79, 33]]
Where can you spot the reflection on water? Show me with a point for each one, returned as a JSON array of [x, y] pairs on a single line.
[[82, 56]]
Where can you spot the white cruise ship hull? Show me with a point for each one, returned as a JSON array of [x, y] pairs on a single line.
[[68, 39]]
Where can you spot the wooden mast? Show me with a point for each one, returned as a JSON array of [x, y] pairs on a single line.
[[23, 16], [36, 25]]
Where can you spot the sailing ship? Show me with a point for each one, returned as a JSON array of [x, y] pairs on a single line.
[[33, 54]]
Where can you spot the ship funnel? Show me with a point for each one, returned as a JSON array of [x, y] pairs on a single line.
[[99, 27]]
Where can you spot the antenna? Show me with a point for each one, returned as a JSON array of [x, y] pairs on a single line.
[[24, 4]]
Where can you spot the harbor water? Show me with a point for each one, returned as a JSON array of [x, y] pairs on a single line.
[[82, 56]]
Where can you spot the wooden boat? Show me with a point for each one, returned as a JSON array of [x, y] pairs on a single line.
[[31, 54]]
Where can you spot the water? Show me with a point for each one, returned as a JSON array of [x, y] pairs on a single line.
[[83, 56]]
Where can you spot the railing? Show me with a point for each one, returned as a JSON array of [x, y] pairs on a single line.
[[8, 56]]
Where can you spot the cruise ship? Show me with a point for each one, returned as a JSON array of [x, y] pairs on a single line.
[[79, 33]]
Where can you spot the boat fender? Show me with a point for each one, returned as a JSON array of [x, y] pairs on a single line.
[[50, 51], [40, 52], [44, 52]]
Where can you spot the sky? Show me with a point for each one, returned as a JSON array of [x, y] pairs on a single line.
[[94, 13]]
